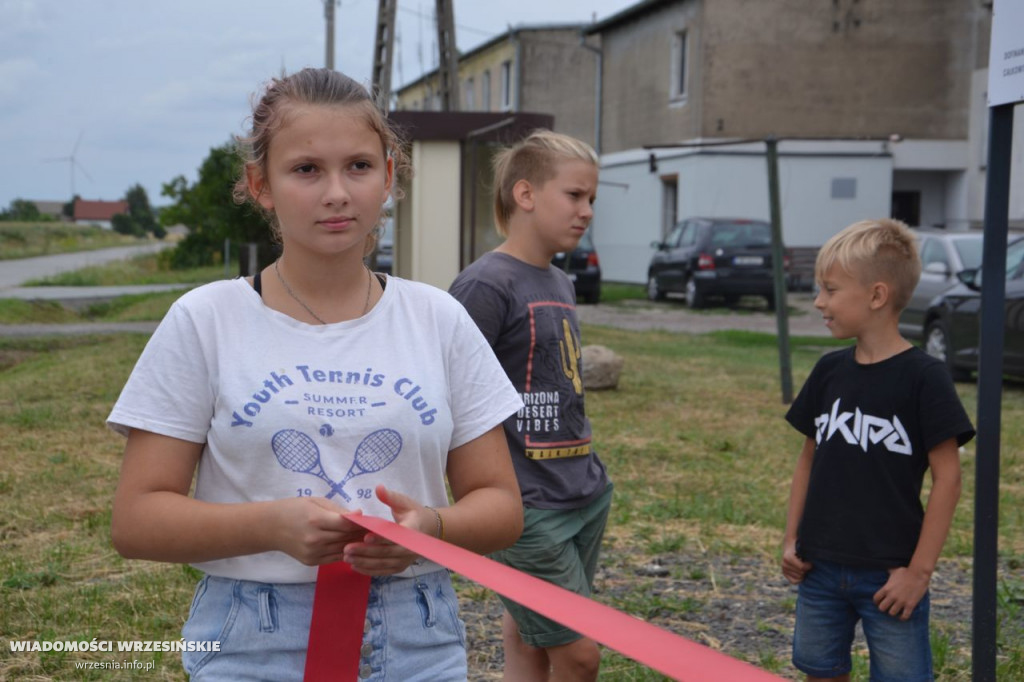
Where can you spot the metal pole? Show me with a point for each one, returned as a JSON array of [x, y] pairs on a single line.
[[329, 16], [781, 304], [990, 389]]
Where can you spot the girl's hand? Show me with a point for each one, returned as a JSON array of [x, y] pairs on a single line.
[[376, 555], [313, 530]]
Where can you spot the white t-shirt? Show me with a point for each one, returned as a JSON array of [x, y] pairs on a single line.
[[285, 408]]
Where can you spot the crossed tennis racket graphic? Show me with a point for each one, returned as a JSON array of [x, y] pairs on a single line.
[[298, 452]]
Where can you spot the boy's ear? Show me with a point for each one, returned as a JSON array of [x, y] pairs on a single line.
[[522, 193], [879, 295], [258, 189]]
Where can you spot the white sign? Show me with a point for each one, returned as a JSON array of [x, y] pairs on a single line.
[[1006, 57]]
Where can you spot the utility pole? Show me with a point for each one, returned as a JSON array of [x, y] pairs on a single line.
[[448, 69], [329, 16], [383, 51]]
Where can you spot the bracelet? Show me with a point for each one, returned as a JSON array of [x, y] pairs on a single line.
[[439, 534]]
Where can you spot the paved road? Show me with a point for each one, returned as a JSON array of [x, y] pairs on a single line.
[[14, 273], [671, 315]]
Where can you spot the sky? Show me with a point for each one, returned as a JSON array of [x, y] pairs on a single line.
[[129, 92]]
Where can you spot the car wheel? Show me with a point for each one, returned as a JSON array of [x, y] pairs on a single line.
[[592, 297], [938, 345], [694, 296], [654, 292]]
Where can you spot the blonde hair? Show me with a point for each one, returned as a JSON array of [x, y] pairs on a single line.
[[324, 87], [532, 159], [875, 250]]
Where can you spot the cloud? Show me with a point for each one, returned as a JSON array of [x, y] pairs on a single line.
[[17, 78]]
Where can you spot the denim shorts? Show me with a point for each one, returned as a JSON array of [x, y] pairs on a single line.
[[832, 598], [560, 546], [412, 631]]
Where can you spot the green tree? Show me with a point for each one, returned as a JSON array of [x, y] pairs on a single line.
[[68, 210], [22, 209], [207, 208], [123, 223], [142, 213]]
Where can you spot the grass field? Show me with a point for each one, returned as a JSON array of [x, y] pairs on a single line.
[[693, 438], [24, 240]]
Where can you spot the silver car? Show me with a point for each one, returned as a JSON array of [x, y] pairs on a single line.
[[943, 255]]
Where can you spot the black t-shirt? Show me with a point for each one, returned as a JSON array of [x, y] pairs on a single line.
[[874, 426], [528, 314]]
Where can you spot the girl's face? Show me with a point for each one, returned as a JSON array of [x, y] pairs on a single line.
[[326, 179], [563, 206]]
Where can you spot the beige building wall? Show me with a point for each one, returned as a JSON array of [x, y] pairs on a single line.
[[640, 103], [559, 77], [842, 68], [479, 69], [428, 248], [547, 69]]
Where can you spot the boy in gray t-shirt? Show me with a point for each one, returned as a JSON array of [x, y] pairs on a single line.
[[544, 189]]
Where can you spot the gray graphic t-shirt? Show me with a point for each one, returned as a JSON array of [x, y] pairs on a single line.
[[528, 315]]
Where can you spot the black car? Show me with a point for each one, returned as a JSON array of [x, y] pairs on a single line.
[[584, 268], [953, 320], [706, 257]]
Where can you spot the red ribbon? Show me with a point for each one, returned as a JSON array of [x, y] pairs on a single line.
[[336, 630], [334, 653]]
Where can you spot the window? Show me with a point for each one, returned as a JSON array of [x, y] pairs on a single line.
[[679, 75], [506, 86], [470, 102], [674, 236], [906, 206], [689, 237], [932, 252], [669, 199], [845, 188], [485, 91]]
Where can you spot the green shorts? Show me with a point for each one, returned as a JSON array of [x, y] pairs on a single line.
[[560, 546]]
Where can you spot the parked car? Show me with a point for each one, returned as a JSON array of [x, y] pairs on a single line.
[[584, 269], [706, 257], [952, 321], [944, 255], [383, 259]]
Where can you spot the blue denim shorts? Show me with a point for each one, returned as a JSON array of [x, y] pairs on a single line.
[[832, 598], [412, 632], [560, 546]]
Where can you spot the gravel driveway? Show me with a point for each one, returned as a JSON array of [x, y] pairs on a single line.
[[672, 315]]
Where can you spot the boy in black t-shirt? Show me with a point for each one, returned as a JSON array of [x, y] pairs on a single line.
[[876, 416]]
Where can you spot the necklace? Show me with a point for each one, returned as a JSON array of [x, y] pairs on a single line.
[[366, 305]]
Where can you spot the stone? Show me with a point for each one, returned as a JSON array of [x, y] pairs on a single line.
[[601, 368]]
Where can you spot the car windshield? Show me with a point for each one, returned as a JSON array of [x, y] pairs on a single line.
[[1015, 259], [741, 234], [969, 250]]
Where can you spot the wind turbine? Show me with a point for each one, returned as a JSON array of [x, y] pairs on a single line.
[[73, 163]]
